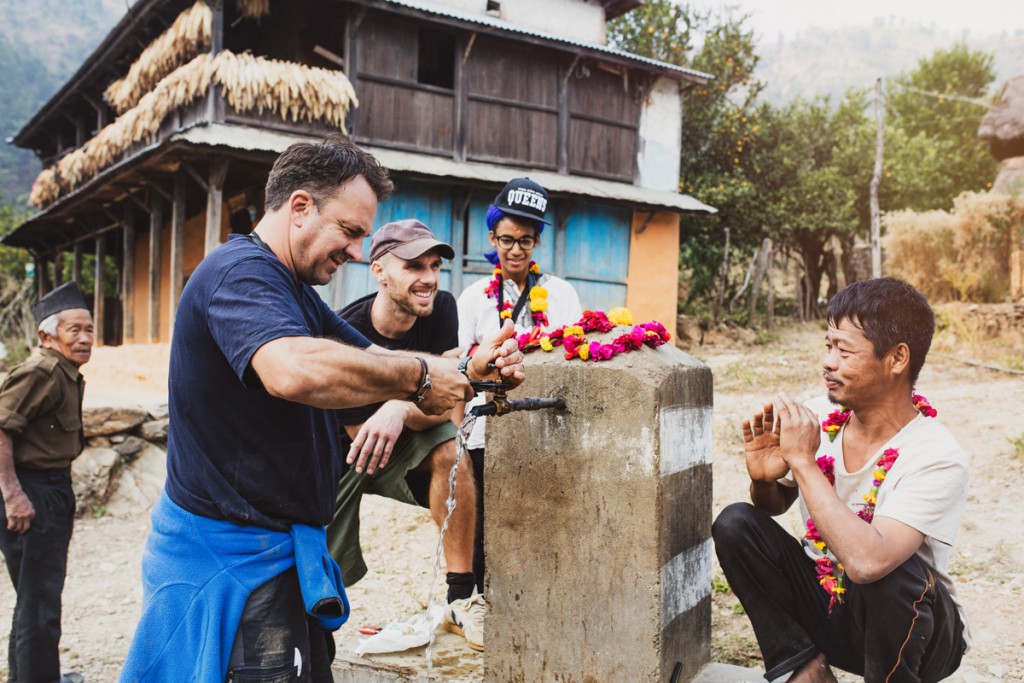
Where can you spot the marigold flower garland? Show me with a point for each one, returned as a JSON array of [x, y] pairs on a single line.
[[573, 338], [831, 576], [538, 297]]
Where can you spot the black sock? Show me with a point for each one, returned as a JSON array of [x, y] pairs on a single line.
[[460, 585]]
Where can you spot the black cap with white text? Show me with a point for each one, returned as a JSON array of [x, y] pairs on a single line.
[[525, 198]]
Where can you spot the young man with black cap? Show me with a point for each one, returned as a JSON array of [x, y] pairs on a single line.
[[396, 451], [40, 434], [517, 290]]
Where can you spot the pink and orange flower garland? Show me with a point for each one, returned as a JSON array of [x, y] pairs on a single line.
[[831, 576], [538, 297], [573, 338]]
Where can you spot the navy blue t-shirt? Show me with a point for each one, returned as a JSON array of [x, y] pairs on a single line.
[[234, 451]]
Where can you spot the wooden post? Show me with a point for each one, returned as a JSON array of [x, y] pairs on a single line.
[[722, 280], [156, 219], [43, 276], [76, 263], [762, 263], [876, 179], [177, 243], [128, 273], [98, 294], [215, 202], [214, 101], [58, 268]]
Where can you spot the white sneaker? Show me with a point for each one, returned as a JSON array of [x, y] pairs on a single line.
[[466, 618]]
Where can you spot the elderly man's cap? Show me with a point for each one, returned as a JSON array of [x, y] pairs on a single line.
[[65, 297], [525, 198], [407, 239]]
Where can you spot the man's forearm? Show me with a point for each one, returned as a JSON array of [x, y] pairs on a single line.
[[847, 536], [328, 374], [9, 483], [417, 421], [771, 497]]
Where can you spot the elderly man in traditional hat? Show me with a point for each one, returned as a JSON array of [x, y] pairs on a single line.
[[396, 451], [40, 434]]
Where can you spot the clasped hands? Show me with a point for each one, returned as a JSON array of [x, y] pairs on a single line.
[[783, 436]]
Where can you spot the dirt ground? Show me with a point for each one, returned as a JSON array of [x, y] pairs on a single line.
[[103, 590]]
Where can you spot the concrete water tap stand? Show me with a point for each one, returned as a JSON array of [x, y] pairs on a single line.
[[597, 531]]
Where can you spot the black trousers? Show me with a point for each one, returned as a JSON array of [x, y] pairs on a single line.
[[276, 642], [37, 563], [477, 456], [901, 628]]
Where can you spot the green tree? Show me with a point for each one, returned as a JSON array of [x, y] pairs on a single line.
[[17, 327], [939, 126], [719, 119], [813, 160]]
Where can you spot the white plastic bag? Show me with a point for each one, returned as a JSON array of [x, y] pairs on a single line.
[[402, 635]]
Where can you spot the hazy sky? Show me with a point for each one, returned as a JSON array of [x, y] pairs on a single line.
[[979, 17]]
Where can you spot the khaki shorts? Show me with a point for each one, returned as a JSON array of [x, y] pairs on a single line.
[[410, 451]]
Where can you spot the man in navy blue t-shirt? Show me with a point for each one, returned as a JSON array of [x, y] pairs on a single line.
[[236, 559]]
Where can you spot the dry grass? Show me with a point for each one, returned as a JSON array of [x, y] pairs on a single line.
[[989, 334], [962, 255]]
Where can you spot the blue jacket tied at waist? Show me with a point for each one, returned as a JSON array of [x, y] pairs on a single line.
[[197, 575]]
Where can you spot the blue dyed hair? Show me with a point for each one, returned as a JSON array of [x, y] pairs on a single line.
[[494, 214]]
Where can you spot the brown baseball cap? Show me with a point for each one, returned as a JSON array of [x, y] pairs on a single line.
[[407, 239]]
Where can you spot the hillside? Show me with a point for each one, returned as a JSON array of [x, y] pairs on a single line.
[[828, 62], [42, 43]]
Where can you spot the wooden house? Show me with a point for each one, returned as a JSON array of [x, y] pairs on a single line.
[[158, 147]]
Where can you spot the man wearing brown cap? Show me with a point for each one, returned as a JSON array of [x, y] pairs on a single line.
[[40, 434], [396, 450]]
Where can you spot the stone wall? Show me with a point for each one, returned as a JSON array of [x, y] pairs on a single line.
[[123, 467]]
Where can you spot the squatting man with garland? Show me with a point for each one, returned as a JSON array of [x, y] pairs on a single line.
[[237, 580], [395, 449], [882, 487]]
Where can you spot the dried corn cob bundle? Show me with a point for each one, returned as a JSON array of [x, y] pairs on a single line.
[[253, 9], [45, 189], [293, 91], [177, 90], [188, 36]]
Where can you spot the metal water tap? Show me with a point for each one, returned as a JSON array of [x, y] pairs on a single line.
[[500, 403]]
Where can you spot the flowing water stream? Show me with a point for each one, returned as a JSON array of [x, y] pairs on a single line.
[[460, 451]]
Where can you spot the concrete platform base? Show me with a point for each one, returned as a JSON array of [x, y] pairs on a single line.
[[727, 673], [453, 662]]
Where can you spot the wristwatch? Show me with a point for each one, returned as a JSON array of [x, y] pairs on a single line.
[[424, 382], [464, 365]]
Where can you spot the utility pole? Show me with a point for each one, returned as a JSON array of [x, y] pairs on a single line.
[[876, 179]]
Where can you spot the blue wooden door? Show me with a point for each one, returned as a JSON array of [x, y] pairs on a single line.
[[596, 254]]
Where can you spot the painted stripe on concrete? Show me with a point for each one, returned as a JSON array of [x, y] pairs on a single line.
[[685, 438], [685, 581]]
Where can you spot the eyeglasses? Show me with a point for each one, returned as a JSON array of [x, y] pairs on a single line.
[[506, 242]]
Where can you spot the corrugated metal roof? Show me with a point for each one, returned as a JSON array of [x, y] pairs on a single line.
[[257, 139], [492, 22]]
